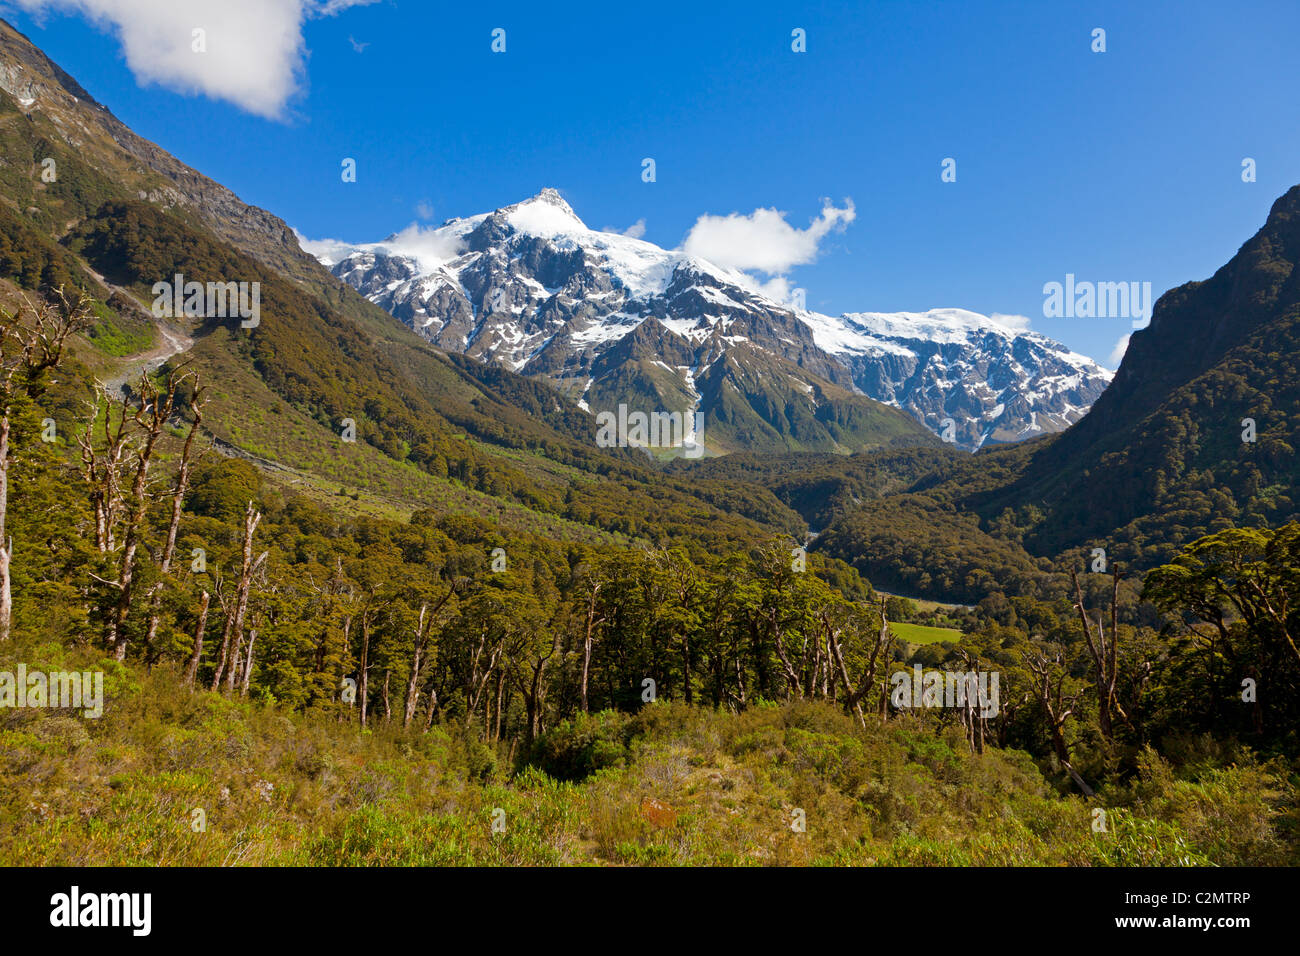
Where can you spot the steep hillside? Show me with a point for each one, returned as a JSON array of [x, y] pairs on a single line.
[[1166, 454]]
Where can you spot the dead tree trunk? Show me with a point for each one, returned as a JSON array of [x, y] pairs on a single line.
[[501, 688], [152, 415], [248, 662], [102, 471], [1105, 654], [235, 616], [6, 543], [432, 710], [192, 668], [236, 661], [365, 663], [412, 685], [174, 523], [588, 637], [972, 718], [1051, 690]]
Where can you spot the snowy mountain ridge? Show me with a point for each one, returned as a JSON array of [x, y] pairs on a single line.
[[531, 287]]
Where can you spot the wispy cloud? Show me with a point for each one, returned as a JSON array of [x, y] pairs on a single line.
[[329, 251], [428, 246], [1018, 322], [253, 52], [635, 231], [1118, 352], [763, 241]]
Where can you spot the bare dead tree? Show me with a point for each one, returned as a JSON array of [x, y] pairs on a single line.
[[881, 650], [368, 612], [151, 418], [1051, 677], [1104, 651], [239, 606], [102, 468], [192, 668], [423, 631], [500, 699], [432, 710], [32, 342], [421, 638], [972, 720], [174, 522], [592, 622]]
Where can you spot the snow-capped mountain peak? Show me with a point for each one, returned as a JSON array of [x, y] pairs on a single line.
[[531, 287], [546, 214]]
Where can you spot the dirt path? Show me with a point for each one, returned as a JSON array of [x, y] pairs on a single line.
[[173, 341]]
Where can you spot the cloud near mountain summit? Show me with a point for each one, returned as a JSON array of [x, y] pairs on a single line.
[[763, 241]]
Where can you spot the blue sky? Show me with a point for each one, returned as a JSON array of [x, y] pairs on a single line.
[[1115, 166]]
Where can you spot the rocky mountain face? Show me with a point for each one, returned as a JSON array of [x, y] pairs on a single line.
[[104, 143], [612, 320], [992, 383]]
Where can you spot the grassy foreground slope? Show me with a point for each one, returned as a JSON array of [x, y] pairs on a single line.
[[669, 785]]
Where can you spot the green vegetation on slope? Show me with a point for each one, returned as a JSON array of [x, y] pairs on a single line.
[[670, 785]]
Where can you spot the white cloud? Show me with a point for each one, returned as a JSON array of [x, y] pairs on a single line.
[[778, 288], [332, 8], [763, 241], [255, 52], [634, 231], [427, 245], [328, 251], [424, 209], [1117, 353], [1017, 322]]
